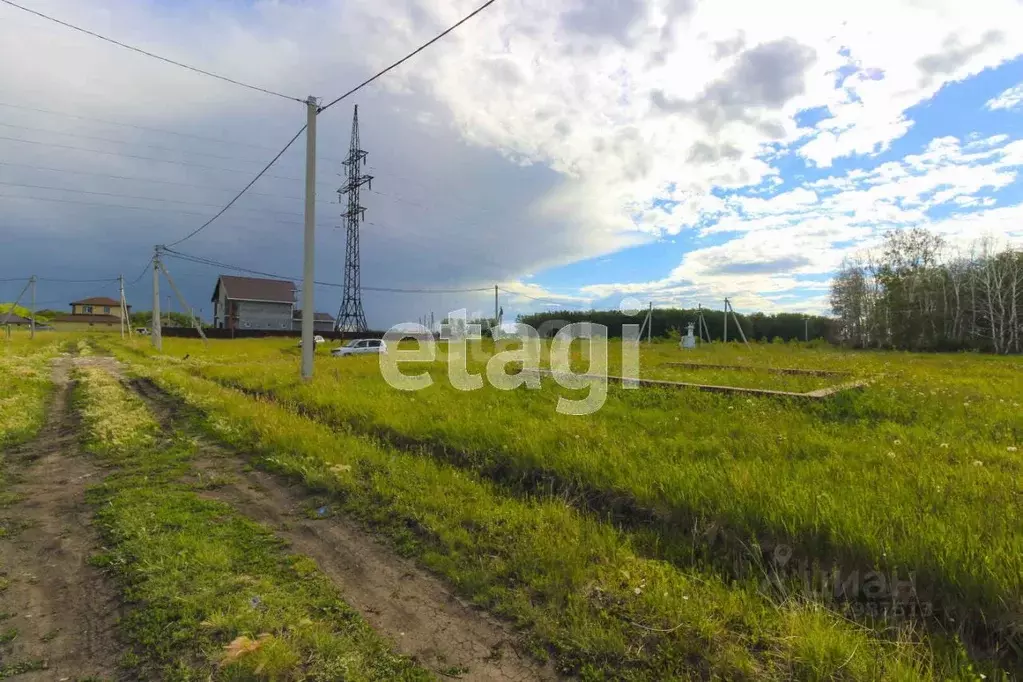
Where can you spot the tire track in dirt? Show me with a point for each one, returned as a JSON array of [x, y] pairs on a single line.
[[396, 597], [63, 610]]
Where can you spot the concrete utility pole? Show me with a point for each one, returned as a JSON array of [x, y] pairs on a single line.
[[32, 310], [29, 283], [309, 249], [742, 334], [497, 319], [183, 303], [807, 321], [726, 320], [155, 324], [650, 322], [120, 281]]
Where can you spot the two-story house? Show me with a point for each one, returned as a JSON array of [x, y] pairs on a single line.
[[253, 303], [98, 311]]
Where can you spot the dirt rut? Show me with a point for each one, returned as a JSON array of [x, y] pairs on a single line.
[[396, 597], [63, 612]]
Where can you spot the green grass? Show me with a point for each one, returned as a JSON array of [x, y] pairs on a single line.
[[212, 595], [25, 387], [920, 473], [576, 585]]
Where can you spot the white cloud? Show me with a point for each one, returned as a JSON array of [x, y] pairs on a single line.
[[538, 134], [1010, 99]]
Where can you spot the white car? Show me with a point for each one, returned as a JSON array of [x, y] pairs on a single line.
[[360, 347], [317, 340]]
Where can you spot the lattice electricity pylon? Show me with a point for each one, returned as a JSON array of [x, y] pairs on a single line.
[[351, 317]]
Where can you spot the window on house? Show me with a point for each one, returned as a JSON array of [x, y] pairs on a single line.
[[106, 309], [87, 309]]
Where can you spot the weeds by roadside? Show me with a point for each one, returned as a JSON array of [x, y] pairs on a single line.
[[574, 584], [211, 595]]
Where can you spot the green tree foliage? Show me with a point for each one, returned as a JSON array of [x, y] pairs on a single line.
[[668, 322], [915, 293], [144, 318]]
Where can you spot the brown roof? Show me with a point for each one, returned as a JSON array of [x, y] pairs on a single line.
[[321, 317], [98, 300], [90, 319], [14, 319], [256, 289]]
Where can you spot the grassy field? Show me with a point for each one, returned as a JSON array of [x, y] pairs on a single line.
[[674, 533], [211, 594], [766, 504], [24, 386]]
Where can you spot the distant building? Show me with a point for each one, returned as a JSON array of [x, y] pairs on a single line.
[[16, 320], [322, 322], [253, 303], [98, 311]]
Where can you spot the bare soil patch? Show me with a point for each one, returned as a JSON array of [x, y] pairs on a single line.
[[395, 596], [62, 611]]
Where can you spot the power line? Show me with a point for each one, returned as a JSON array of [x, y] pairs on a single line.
[[207, 261], [142, 274], [143, 198], [152, 180], [76, 281], [156, 209], [406, 57], [549, 301], [97, 138], [147, 158], [203, 138], [239, 195], [150, 54]]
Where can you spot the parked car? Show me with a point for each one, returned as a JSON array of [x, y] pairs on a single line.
[[317, 340], [142, 331], [360, 347]]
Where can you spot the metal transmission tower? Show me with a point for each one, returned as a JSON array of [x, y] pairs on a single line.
[[351, 317]]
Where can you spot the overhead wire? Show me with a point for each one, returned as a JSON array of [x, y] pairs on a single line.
[[213, 263], [150, 54], [406, 57], [150, 158], [156, 209], [266, 168], [203, 138], [142, 198], [243, 190], [549, 301], [152, 180], [97, 138]]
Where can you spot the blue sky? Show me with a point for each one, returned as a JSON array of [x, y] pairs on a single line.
[[663, 150], [958, 110]]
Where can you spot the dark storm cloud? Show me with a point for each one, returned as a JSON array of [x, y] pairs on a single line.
[[764, 77]]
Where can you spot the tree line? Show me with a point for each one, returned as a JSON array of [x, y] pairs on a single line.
[[672, 322], [916, 293]]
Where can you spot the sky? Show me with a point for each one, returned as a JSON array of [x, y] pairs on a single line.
[[573, 153]]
